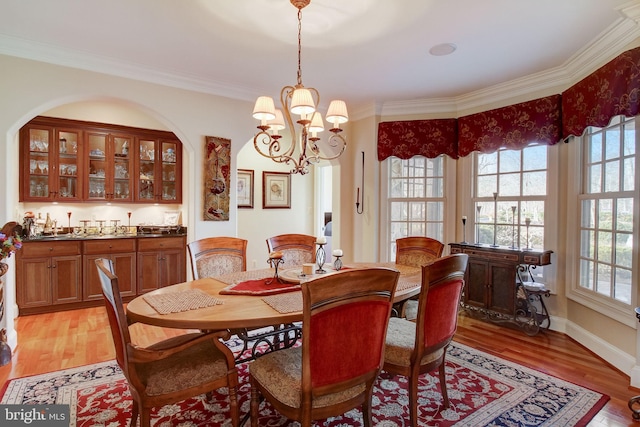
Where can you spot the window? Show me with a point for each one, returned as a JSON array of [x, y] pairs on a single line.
[[510, 189], [415, 199], [607, 204]]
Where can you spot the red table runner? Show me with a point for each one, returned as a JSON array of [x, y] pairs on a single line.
[[260, 287]]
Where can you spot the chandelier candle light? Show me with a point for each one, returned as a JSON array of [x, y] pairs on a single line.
[[302, 102]]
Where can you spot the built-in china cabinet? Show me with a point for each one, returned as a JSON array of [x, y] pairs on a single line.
[[75, 161]]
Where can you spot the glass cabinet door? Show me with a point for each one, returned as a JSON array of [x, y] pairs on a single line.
[[39, 161], [69, 186], [169, 171], [146, 170], [121, 172], [97, 170]]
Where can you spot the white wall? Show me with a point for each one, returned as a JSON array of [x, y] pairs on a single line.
[[31, 88], [257, 224]]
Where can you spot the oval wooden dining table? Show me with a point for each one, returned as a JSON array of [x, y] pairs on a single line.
[[244, 311]]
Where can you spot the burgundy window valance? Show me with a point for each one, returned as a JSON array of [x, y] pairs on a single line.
[[428, 138], [513, 127], [612, 90]]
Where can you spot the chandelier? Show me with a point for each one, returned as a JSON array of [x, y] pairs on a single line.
[[302, 150]]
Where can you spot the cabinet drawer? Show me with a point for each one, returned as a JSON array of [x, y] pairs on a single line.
[[160, 243], [55, 248], [95, 247]]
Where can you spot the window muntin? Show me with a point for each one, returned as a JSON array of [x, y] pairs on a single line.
[[607, 204], [519, 177], [415, 199]]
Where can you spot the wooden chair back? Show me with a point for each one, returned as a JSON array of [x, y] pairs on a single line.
[[442, 283], [343, 335], [417, 251], [297, 249], [171, 370], [215, 256], [115, 312]]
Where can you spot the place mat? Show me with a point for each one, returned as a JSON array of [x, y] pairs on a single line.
[[406, 282], [285, 303], [241, 276], [176, 302], [263, 286]]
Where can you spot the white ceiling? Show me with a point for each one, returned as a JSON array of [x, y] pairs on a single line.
[[363, 51]]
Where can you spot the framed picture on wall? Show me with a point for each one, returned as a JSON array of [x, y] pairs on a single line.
[[276, 190], [245, 188]]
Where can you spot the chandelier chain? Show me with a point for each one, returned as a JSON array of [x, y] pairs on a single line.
[[299, 47]]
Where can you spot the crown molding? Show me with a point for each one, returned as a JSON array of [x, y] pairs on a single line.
[[43, 52], [611, 43]]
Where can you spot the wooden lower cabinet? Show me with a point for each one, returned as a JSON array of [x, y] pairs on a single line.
[[49, 274], [122, 252], [161, 262], [59, 275]]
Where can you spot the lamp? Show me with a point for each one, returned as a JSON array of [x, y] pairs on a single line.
[[301, 101]]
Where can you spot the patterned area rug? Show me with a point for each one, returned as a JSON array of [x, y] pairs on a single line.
[[484, 391]]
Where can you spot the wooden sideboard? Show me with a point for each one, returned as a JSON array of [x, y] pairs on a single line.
[[60, 274], [493, 287]]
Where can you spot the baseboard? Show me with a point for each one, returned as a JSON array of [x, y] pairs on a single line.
[[617, 358]]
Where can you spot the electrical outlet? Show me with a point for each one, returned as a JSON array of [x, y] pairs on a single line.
[[255, 264]]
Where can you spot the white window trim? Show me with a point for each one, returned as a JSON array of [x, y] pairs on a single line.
[[551, 208], [449, 197], [606, 306]]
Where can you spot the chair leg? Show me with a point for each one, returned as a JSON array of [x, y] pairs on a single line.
[[443, 384], [233, 407], [255, 404], [413, 399], [134, 414], [145, 417], [366, 409]]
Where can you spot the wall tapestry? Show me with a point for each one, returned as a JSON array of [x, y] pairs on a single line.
[[217, 170]]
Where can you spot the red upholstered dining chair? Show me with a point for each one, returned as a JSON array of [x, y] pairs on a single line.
[[215, 256], [296, 249], [171, 370], [345, 318], [415, 348], [416, 251]]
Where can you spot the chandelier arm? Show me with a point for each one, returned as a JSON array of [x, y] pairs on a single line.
[[335, 140], [304, 139]]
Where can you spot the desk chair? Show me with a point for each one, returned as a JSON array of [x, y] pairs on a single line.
[[416, 251], [297, 249], [171, 370], [415, 348], [343, 333], [215, 256]]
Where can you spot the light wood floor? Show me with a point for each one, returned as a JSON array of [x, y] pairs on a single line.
[[61, 340]]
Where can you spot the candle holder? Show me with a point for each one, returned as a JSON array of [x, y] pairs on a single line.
[[321, 256], [274, 262], [464, 230], [337, 264], [478, 209], [495, 219], [513, 227], [527, 223]]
